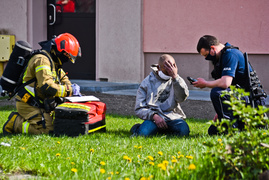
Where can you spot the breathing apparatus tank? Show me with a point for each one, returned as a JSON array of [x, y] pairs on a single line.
[[17, 61]]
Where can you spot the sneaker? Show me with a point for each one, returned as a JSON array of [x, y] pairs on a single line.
[[134, 128], [8, 127]]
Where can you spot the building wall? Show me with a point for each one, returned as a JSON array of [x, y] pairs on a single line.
[[14, 18], [26, 19], [175, 27], [119, 55]]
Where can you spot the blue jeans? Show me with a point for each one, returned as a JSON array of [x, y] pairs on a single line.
[[176, 127]]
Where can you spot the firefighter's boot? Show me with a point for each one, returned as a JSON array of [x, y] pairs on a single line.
[[8, 127]]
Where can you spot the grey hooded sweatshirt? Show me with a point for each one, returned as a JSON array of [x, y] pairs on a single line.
[[162, 97]]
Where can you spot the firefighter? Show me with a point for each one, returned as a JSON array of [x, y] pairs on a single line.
[[48, 83]]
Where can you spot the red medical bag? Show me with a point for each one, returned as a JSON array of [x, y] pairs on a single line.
[[75, 118]]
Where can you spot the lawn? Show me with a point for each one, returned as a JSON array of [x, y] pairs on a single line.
[[110, 155]]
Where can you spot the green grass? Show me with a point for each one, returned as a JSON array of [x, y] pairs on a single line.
[[110, 155]]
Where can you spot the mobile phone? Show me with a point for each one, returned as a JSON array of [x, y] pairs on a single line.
[[191, 79]]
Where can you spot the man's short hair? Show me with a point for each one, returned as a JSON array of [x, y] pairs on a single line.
[[206, 42], [164, 57]]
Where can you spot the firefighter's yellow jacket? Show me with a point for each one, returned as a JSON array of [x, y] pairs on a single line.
[[51, 81]]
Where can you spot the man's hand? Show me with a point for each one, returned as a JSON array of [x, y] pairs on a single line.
[[160, 122], [171, 69], [200, 83]]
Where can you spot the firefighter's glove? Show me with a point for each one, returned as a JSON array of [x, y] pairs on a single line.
[[76, 89]]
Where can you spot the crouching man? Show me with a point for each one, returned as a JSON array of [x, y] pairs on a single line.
[[157, 101], [47, 82]]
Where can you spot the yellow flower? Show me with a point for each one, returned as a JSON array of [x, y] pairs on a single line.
[[135, 146], [143, 178], [180, 156], [160, 153], [138, 156], [173, 157], [189, 157], [165, 162], [68, 158], [192, 167], [139, 147], [22, 148], [72, 163], [219, 140], [109, 178], [127, 158], [74, 170], [111, 173], [151, 163], [58, 142], [58, 154], [102, 171], [126, 178], [102, 163], [264, 133], [92, 150], [178, 152], [174, 160], [151, 158], [162, 166], [171, 167]]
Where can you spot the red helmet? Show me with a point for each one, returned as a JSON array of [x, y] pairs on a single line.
[[67, 43]]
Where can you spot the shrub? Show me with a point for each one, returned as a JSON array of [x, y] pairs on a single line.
[[240, 154]]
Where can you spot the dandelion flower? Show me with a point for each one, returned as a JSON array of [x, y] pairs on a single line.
[[160, 153], [165, 162], [135, 146], [117, 172], [139, 147], [264, 133], [111, 173], [58, 154], [180, 156], [102, 163], [74, 170], [174, 160], [151, 158], [109, 178], [162, 166], [68, 158], [126, 178], [151, 163], [173, 157], [58, 142], [143, 178], [178, 152], [189, 157], [22, 148], [92, 150], [139, 156], [72, 163], [219, 140], [127, 158], [102, 171], [192, 167]]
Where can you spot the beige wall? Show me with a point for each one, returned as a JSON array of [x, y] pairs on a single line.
[[13, 15], [119, 54], [19, 18]]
